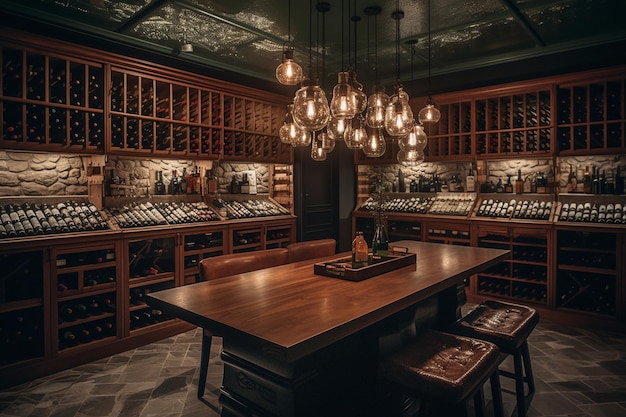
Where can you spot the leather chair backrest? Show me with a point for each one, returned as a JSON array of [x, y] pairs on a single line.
[[239, 263], [311, 249]]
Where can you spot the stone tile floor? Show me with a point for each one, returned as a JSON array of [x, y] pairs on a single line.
[[578, 372]]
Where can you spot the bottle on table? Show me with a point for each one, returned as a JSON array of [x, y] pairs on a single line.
[[380, 243], [359, 251]]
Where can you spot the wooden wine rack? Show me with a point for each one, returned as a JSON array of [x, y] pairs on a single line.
[[451, 137], [51, 102], [591, 114], [60, 101]]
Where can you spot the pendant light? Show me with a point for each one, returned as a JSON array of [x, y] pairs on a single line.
[[317, 151], [357, 135], [310, 105], [288, 72], [398, 113], [375, 144], [429, 114], [412, 145], [343, 104], [378, 100], [290, 131], [339, 129]]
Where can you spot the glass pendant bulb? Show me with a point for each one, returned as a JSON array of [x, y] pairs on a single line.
[[429, 114], [317, 153], [338, 129], [310, 106], [375, 145], [360, 98], [415, 140], [410, 158], [290, 131], [376, 107], [288, 72], [342, 105], [302, 139], [326, 142], [358, 136], [398, 114]]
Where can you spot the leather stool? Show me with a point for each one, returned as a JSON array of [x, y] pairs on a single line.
[[446, 369], [508, 326]]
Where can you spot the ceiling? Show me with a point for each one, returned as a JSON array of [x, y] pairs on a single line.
[[243, 40]]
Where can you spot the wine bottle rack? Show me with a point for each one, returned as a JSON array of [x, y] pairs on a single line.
[[85, 295], [518, 124], [158, 116], [447, 232], [278, 235], [141, 315], [587, 276], [198, 246], [525, 276], [34, 219], [246, 239], [591, 116], [22, 301], [401, 230], [151, 259], [451, 137], [51, 102]]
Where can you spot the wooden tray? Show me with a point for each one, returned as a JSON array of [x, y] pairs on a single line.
[[342, 267]]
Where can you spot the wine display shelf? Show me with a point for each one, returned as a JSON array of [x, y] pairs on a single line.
[[591, 114], [451, 137], [525, 276], [85, 282], [587, 274], [199, 245], [23, 302], [579, 114], [51, 102], [152, 115], [56, 100]]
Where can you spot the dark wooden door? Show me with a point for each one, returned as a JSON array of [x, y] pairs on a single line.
[[325, 195]]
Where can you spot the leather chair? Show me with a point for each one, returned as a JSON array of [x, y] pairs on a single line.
[[444, 370], [508, 326], [311, 249], [226, 265]]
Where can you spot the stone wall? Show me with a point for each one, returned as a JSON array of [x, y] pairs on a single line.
[[48, 174]]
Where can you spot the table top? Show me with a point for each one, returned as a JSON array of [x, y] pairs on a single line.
[[298, 312]]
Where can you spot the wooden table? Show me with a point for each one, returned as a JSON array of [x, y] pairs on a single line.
[[299, 344]]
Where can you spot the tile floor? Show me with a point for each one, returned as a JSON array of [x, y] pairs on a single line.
[[578, 373]]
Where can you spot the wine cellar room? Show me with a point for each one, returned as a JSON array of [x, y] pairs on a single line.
[[120, 172]]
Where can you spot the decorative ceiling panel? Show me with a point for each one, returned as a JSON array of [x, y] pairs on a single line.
[[247, 37]]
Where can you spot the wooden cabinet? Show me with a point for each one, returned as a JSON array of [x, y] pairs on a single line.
[[588, 278], [523, 278], [268, 235], [451, 232], [85, 296], [51, 102], [200, 244], [23, 306], [591, 115]]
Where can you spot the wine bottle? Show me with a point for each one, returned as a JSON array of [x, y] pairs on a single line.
[[519, 183], [159, 186]]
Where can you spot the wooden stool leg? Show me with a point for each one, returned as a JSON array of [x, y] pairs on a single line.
[[204, 361], [496, 395], [530, 380], [519, 384]]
